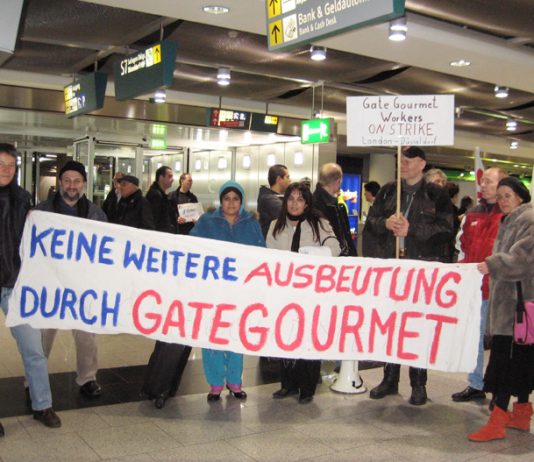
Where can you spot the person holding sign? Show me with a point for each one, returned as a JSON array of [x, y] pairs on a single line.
[[510, 369], [71, 200], [231, 223], [168, 360], [425, 227], [182, 196], [300, 225], [14, 206]]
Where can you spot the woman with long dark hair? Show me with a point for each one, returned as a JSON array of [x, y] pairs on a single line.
[[300, 225]]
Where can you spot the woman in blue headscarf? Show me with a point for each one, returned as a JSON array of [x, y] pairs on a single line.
[[232, 223]]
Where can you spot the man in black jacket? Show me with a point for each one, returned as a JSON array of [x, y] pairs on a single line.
[[270, 198], [325, 200], [424, 227], [163, 211], [14, 206], [133, 209]]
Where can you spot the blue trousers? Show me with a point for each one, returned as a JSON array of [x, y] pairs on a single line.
[[222, 366], [476, 378], [35, 364]]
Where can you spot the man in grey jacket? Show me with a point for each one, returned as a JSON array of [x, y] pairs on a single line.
[[270, 198], [71, 200]]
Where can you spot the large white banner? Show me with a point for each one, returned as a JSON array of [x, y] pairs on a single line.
[[104, 278], [420, 120]]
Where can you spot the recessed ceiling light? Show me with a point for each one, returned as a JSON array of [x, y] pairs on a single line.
[[398, 29], [215, 9], [511, 125], [317, 53], [501, 92], [460, 63]]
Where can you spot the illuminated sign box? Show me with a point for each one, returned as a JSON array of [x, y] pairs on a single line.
[[264, 123], [317, 131], [85, 94], [145, 71], [226, 118], [230, 119]]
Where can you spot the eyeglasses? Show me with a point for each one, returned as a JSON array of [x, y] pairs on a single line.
[[5, 166]]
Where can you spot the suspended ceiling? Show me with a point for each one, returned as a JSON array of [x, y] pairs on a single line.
[[62, 38]]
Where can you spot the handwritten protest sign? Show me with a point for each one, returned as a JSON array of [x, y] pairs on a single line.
[[190, 211], [418, 120], [106, 278]]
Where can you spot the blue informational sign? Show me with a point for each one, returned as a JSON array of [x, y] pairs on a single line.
[[351, 187]]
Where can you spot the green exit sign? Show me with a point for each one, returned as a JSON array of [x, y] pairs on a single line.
[[317, 131], [157, 143]]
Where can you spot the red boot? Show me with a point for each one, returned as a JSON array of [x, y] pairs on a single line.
[[495, 429], [520, 418]]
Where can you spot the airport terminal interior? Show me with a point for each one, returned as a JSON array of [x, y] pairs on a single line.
[[231, 109]]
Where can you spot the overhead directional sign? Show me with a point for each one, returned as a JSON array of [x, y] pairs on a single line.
[[145, 71], [292, 23], [317, 131], [85, 94]]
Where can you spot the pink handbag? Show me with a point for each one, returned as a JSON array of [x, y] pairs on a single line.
[[524, 319]]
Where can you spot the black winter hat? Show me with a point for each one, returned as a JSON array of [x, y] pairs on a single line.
[[74, 166], [516, 186], [413, 151]]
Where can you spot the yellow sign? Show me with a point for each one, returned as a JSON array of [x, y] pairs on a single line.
[[157, 54], [276, 35], [273, 8]]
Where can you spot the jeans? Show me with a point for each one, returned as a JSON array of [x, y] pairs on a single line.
[[35, 364], [476, 378]]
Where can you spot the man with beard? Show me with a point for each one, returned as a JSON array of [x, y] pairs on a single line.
[[71, 200]]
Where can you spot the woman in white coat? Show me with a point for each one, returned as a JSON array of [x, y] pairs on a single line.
[[300, 225]]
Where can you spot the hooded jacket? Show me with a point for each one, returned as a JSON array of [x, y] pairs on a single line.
[[246, 230]]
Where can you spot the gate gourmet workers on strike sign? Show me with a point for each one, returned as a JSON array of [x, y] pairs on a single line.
[[104, 278]]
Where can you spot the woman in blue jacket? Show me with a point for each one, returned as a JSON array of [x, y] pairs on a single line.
[[231, 223]]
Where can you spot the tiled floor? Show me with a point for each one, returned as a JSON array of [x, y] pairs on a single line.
[[333, 427]]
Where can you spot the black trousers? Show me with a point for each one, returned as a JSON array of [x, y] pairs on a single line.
[[300, 375]]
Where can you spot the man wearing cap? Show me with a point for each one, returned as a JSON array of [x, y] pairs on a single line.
[[476, 237], [133, 209], [14, 206], [71, 200], [425, 227]]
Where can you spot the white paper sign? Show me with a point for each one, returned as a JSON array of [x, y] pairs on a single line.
[[110, 279], [412, 120], [190, 211]]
